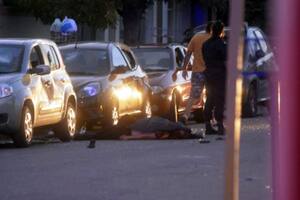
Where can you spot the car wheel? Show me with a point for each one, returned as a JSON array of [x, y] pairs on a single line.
[[111, 115], [147, 110], [198, 115], [173, 113], [250, 107], [23, 137], [66, 129]]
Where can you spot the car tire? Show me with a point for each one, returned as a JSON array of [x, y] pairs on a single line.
[[250, 106], [173, 112], [23, 138], [111, 115], [66, 129], [198, 115]]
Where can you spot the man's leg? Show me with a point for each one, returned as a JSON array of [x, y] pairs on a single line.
[[208, 109], [191, 101], [197, 82], [219, 109]]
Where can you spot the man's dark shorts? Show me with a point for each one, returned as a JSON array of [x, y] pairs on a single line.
[[197, 81]]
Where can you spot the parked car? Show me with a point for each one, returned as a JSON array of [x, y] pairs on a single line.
[[259, 63], [108, 82], [169, 97], [35, 90]]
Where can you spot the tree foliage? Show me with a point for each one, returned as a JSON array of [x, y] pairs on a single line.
[[255, 12], [94, 13]]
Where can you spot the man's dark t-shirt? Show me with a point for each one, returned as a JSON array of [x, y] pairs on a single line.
[[214, 55]]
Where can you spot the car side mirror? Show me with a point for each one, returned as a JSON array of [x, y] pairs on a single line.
[[136, 67], [40, 70], [259, 54], [118, 70]]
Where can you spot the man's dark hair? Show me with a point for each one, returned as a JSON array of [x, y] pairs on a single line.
[[217, 28], [208, 27]]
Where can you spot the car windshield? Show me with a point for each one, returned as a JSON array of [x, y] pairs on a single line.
[[11, 58], [86, 61], [154, 59]]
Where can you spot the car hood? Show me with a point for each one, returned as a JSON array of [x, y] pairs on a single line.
[[80, 81], [10, 78], [156, 78]]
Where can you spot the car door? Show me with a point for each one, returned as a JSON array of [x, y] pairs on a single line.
[[264, 64], [40, 88], [252, 75], [54, 83], [123, 83], [183, 86]]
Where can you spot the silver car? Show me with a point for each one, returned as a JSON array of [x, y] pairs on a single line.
[[35, 90]]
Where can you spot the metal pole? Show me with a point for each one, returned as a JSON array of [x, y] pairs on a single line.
[[286, 139], [233, 100]]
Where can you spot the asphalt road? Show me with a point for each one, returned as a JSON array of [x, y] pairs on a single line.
[[135, 170]]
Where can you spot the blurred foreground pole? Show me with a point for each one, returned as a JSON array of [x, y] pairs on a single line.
[[234, 99], [286, 138]]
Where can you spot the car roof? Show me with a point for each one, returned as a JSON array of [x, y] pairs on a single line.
[[171, 45], [94, 45], [23, 41]]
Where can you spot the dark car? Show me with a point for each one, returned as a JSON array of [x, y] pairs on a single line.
[[169, 97], [259, 63], [108, 82]]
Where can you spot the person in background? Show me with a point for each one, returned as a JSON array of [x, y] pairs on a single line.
[[198, 80], [215, 54]]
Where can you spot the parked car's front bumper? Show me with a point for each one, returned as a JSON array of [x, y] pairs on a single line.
[[8, 115], [89, 109], [160, 103]]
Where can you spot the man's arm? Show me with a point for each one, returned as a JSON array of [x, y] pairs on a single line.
[[185, 64], [187, 60]]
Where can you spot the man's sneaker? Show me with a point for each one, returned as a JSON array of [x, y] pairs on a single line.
[[209, 130], [221, 129]]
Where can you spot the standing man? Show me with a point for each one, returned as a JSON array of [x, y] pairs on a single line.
[[198, 67], [214, 54]]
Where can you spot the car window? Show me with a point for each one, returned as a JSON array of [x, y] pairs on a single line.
[[117, 58], [154, 58], [55, 57], [130, 58], [252, 43], [184, 51], [262, 41], [11, 57], [179, 57], [86, 61], [50, 57], [36, 57]]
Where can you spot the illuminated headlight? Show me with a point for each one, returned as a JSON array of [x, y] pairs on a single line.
[[90, 90], [157, 89], [125, 93], [5, 90]]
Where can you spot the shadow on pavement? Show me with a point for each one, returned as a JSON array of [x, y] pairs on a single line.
[[8, 144]]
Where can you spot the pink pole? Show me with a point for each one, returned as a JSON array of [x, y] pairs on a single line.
[[286, 133]]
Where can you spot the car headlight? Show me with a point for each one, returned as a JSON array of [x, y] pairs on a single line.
[[5, 90], [90, 90], [157, 89]]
